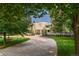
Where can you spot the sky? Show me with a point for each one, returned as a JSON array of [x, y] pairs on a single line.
[[45, 18]]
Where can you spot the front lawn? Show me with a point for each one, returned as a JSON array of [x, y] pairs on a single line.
[[66, 45], [14, 40]]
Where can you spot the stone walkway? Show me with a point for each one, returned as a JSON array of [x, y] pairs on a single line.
[[36, 46]]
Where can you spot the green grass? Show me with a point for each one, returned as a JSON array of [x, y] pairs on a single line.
[[13, 41], [66, 45]]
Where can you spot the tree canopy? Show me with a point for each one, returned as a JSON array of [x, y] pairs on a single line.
[[13, 18]]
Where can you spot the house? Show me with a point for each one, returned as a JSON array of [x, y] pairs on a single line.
[[41, 25]]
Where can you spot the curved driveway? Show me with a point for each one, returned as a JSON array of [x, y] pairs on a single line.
[[36, 46]]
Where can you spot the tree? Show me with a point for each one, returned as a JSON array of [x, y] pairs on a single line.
[[71, 14], [76, 26], [12, 19]]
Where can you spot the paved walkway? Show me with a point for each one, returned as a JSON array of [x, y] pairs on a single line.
[[37, 46]]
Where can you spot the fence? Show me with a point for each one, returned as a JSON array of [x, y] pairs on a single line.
[[61, 34]]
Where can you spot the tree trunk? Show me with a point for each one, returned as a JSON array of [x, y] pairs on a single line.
[[76, 32], [4, 38]]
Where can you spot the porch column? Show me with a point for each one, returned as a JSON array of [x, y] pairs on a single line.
[[41, 32]]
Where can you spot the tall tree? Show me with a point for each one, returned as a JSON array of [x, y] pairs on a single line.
[[76, 27], [12, 19]]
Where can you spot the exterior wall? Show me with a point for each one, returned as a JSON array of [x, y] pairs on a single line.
[[39, 27]]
